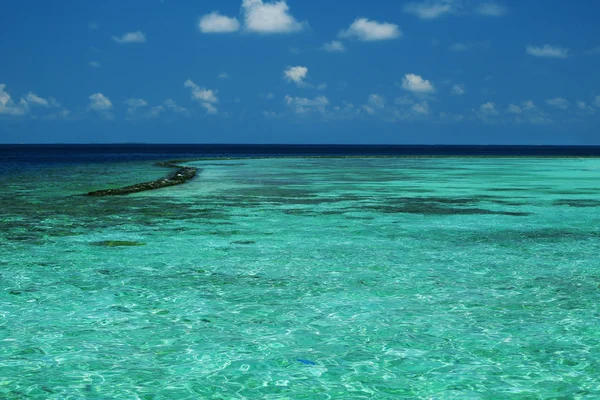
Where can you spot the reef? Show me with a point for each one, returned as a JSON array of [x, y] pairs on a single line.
[[182, 175]]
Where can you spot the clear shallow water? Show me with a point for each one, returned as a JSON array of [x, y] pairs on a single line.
[[303, 278]]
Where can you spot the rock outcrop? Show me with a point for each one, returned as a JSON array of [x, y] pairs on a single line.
[[182, 175]]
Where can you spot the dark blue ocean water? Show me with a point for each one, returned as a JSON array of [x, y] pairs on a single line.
[[77, 153], [24, 157]]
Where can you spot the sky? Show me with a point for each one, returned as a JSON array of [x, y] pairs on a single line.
[[300, 71]]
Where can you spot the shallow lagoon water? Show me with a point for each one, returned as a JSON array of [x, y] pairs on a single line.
[[304, 278]]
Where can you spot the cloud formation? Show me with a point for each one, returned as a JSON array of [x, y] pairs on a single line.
[[168, 104], [548, 51], [376, 100], [136, 102], [490, 9], [101, 104], [217, 23], [558, 102], [430, 9], [33, 99], [296, 74], [335, 46], [486, 111], [367, 31], [130, 37], [30, 101], [416, 84], [514, 109], [302, 105], [433, 9], [206, 97], [421, 108], [584, 108], [458, 89], [269, 17], [8, 106]]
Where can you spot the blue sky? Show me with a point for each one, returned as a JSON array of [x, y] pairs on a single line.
[[300, 71]]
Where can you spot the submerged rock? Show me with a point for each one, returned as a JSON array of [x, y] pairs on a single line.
[[182, 175]]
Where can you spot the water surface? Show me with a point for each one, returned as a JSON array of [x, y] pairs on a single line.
[[303, 278]]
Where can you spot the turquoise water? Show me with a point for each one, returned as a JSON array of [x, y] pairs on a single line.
[[304, 278]]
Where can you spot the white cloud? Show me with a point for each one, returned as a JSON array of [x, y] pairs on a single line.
[[548, 51], [34, 99], [367, 30], [223, 75], [416, 84], [62, 114], [409, 110], [597, 101], [201, 94], [490, 9], [296, 74], [368, 109], [29, 101], [94, 64], [595, 50], [136, 102], [206, 97], [130, 37], [217, 23], [514, 109], [558, 102], [421, 108], [173, 106], [581, 105], [458, 89], [376, 100], [335, 46], [210, 109], [433, 9], [404, 108], [8, 106], [528, 105], [430, 9], [527, 112], [445, 116], [155, 111], [303, 105], [99, 102], [270, 114], [488, 109], [274, 17]]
